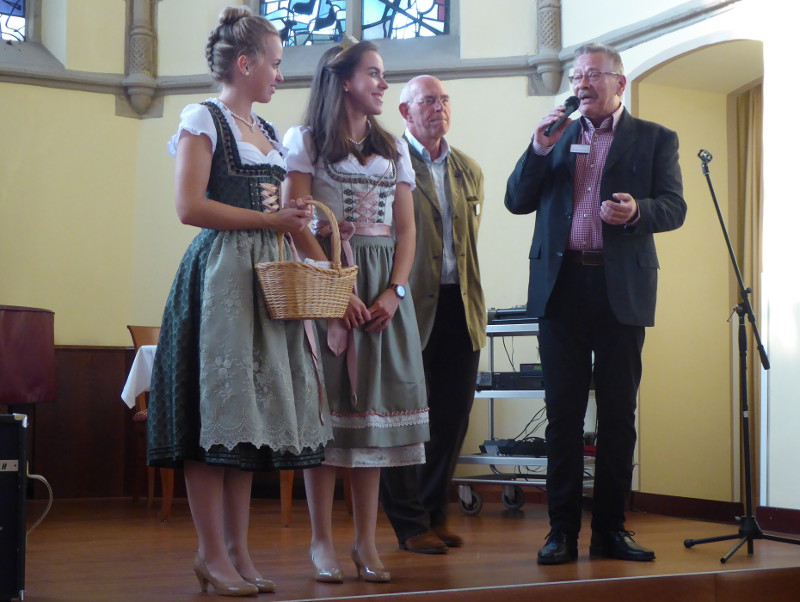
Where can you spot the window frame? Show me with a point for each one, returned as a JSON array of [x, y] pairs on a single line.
[[20, 61]]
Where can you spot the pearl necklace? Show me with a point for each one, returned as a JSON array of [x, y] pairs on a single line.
[[250, 124], [360, 143]]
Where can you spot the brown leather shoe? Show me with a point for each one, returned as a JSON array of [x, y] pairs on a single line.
[[424, 543], [450, 539]]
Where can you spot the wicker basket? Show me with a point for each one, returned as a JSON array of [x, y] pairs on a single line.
[[297, 291]]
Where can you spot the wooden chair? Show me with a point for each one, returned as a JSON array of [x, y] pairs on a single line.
[[148, 335]]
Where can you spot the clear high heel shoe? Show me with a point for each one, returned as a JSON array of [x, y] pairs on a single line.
[[367, 573], [237, 589], [326, 575]]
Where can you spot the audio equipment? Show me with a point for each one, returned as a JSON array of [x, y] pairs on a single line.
[[13, 471], [533, 446], [510, 315], [517, 381]]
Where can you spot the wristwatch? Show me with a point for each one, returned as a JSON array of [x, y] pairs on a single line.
[[399, 289]]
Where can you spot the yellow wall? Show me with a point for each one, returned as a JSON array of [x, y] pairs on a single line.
[[183, 28], [480, 37], [685, 397], [85, 34], [68, 199]]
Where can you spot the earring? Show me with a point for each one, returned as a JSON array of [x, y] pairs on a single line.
[[247, 74]]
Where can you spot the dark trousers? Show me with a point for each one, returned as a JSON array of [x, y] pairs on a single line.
[[415, 497], [579, 339]]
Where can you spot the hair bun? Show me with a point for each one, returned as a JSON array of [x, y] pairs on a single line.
[[240, 32], [232, 14]]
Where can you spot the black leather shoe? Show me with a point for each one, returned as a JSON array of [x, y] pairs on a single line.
[[619, 545], [560, 548]]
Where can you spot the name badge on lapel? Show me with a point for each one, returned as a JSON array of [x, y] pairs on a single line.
[[580, 149]]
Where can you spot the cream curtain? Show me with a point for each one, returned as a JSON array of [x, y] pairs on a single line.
[[749, 108]]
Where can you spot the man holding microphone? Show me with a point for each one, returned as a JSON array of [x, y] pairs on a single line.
[[601, 186]]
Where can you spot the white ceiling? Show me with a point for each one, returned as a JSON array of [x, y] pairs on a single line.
[[721, 68]]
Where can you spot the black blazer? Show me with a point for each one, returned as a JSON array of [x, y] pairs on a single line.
[[642, 161]]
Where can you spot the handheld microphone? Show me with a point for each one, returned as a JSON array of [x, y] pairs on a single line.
[[570, 106], [705, 156]]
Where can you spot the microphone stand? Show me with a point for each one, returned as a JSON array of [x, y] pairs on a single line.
[[749, 529]]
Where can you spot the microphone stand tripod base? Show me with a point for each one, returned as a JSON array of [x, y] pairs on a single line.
[[749, 530]]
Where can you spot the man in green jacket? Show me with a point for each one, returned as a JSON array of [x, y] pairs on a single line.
[[446, 288]]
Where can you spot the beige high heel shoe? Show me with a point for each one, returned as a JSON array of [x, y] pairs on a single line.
[[237, 589], [327, 575], [367, 573], [265, 586]]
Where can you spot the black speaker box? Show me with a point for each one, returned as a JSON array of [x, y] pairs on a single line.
[[13, 474]]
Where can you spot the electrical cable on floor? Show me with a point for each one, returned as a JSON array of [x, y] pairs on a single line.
[[38, 477]]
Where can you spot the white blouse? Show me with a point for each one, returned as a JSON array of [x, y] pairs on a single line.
[[196, 119], [324, 188]]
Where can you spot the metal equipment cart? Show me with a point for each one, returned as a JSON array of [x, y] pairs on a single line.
[[512, 496]]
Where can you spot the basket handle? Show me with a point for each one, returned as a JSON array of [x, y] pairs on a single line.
[[336, 237]]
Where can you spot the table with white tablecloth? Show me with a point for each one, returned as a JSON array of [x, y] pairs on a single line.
[[139, 377]]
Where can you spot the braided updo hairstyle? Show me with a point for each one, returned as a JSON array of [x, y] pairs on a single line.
[[239, 32]]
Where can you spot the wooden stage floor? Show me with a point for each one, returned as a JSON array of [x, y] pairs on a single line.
[[114, 550]]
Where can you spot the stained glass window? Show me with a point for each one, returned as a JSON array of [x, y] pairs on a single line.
[[12, 20], [402, 19], [305, 22]]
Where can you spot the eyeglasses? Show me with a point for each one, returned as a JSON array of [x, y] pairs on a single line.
[[429, 101], [592, 76]]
